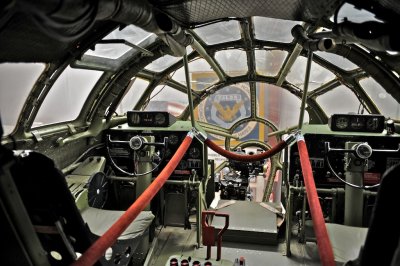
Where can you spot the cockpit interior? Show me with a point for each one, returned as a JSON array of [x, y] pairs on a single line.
[[199, 132]]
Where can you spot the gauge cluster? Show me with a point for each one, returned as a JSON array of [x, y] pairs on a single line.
[[357, 123], [150, 119]]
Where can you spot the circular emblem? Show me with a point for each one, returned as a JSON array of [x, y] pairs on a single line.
[[227, 106]]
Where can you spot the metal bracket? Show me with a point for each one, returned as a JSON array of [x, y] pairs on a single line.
[[71, 128], [36, 135]]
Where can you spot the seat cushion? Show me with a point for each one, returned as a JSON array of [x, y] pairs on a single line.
[[346, 241], [99, 221]]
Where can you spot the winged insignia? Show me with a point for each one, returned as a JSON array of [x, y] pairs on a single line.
[[227, 113]]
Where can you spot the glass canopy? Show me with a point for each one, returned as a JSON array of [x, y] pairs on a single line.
[[230, 82]]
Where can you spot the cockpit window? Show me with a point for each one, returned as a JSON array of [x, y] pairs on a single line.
[[219, 32], [201, 75], [269, 62], [137, 88], [16, 82], [348, 101], [271, 29], [337, 60], [318, 74], [132, 34], [165, 98], [234, 62], [278, 106], [383, 100], [67, 96], [162, 63]]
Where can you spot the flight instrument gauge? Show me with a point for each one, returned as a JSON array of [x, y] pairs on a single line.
[[342, 122], [173, 139], [159, 119], [372, 124], [194, 153]]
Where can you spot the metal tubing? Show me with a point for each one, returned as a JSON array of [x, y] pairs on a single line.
[[289, 63], [189, 88], [305, 90], [203, 53], [289, 222]]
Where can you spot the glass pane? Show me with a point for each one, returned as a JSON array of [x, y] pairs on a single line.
[[234, 62], [131, 98], [278, 105], [130, 33], [226, 106], [269, 62], [249, 130], [166, 61], [318, 74], [16, 81], [337, 60], [329, 101], [66, 98], [219, 32], [383, 100], [202, 75], [271, 29], [165, 98], [162, 63]]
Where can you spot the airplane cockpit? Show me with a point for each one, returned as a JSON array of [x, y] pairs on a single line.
[[193, 132]]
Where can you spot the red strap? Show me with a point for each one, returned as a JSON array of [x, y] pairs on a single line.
[[99, 247], [246, 158], [323, 242]]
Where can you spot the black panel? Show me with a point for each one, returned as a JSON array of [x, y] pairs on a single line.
[[357, 123], [378, 162], [150, 119], [192, 160]]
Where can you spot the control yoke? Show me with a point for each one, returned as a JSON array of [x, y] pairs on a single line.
[[361, 151], [138, 144]]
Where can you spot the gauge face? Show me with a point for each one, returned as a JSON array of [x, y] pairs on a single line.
[[357, 123], [194, 153], [363, 150], [159, 119], [372, 124], [173, 139], [342, 122]]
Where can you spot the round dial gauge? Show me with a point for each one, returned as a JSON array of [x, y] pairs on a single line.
[[363, 150], [357, 123], [159, 119], [372, 124], [173, 139], [342, 122], [194, 153]]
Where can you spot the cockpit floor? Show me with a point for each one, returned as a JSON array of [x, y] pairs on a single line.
[[174, 241]]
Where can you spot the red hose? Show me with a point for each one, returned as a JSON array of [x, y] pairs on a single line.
[[99, 247], [246, 158], [323, 242]]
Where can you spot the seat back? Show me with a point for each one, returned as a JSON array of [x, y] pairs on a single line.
[[384, 231], [51, 207]]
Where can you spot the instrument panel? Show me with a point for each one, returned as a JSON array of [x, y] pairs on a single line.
[[377, 163], [193, 160]]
